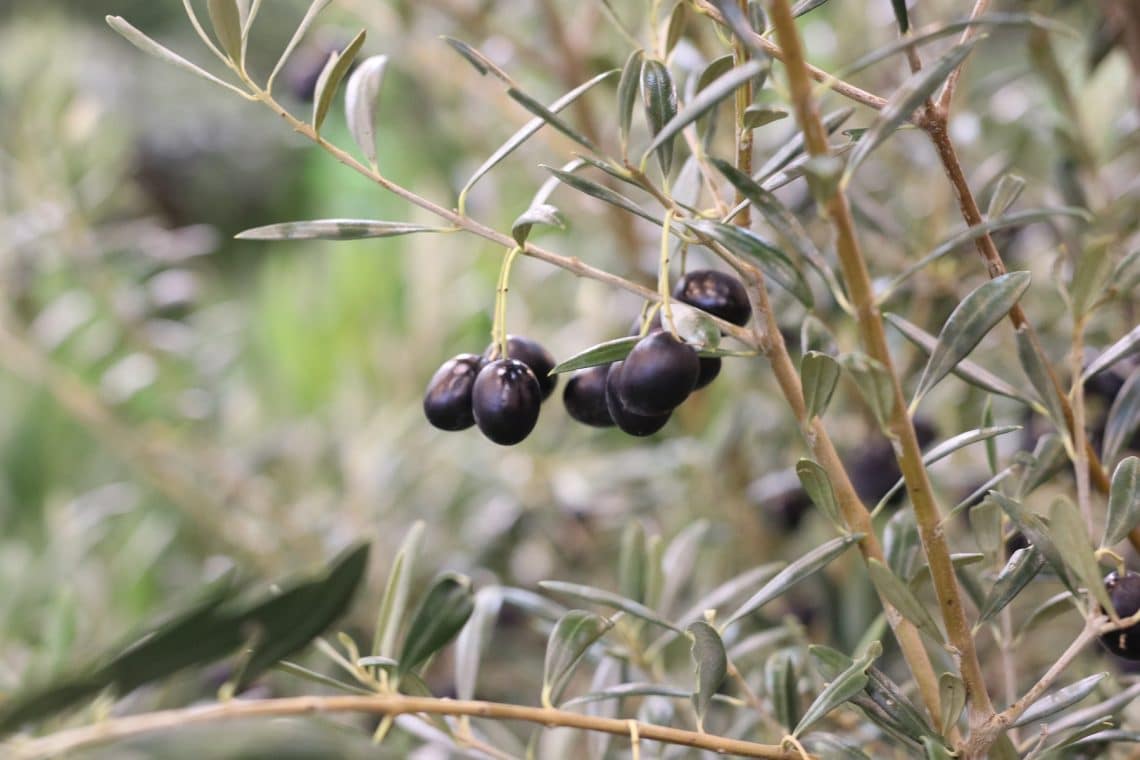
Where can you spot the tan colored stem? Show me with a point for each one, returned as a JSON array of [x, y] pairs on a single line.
[[909, 455], [66, 742]]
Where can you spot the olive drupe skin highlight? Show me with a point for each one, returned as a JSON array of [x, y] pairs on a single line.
[[658, 374], [585, 397], [627, 421], [1124, 591], [720, 294], [447, 400], [532, 354], [505, 400]]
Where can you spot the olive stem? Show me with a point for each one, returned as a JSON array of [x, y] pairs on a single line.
[[499, 325], [663, 277]]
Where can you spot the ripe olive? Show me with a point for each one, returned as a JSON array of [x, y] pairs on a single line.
[[720, 294], [1125, 595], [658, 374], [710, 365], [627, 421], [532, 354], [585, 397], [447, 400], [505, 400]]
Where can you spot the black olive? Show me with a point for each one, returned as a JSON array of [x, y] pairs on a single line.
[[658, 374], [447, 400], [627, 421], [709, 369], [720, 294], [532, 354], [505, 400], [1125, 595], [1016, 540], [585, 397]]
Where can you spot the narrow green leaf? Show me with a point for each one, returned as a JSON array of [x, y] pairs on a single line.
[[756, 116], [150, 47], [975, 316], [627, 95], [780, 683], [1123, 502], [949, 446], [1035, 369], [1126, 276], [806, 6], [1121, 349], [226, 20], [907, 98], [985, 522], [543, 214], [659, 97], [329, 80], [609, 599], [531, 127], [395, 599], [706, 99], [573, 634], [633, 562], [971, 233], [895, 591], [1097, 711], [360, 97], [678, 561], [1054, 606], [807, 565], [473, 640], [818, 487], [1091, 271], [952, 695], [1034, 529], [874, 383], [1123, 417], [442, 613], [294, 669], [603, 353], [551, 118], [602, 193], [1047, 459], [795, 145], [1071, 537], [307, 20], [1006, 193], [626, 690], [1059, 700], [979, 492], [533, 604], [845, 686], [712, 665], [731, 589], [900, 543], [773, 262], [334, 229], [991, 444], [819, 374], [921, 574], [935, 750], [478, 61], [969, 371], [899, 7], [1021, 568], [675, 29]]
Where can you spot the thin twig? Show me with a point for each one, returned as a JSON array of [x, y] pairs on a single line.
[[65, 742], [951, 85]]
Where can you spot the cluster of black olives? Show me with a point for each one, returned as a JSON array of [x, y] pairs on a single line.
[[639, 393], [501, 395]]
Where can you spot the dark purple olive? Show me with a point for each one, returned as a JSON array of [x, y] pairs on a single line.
[[505, 400], [447, 400], [720, 294], [532, 354], [585, 397], [1125, 595], [709, 369], [658, 374], [627, 421]]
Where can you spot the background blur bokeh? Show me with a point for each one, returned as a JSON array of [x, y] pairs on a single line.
[[174, 402]]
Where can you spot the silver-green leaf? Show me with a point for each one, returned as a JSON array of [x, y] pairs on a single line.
[[952, 695], [712, 665], [773, 262], [846, 685], [360, 98], [659, 97], [780, 683], [1121, 349], [543, 214], [603, 353], [226, 20], [874, 383], [627, 95], [441, 615], [573, 634], [334, 229], [1059, 700], [819, 374], [1123, 417], [608, 599], [901, 598], [818, 488], [1123, 502], [329, 80]]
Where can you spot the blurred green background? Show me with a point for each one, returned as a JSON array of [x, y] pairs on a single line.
[[174, 402]]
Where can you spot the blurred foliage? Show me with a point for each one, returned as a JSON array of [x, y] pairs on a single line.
[[174, 402]]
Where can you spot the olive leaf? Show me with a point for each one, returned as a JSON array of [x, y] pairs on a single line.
[[901, 598], [1123, 417], [360, 97], [1121, 349], [603, 353], [329, 80], [226, 20], [901, 17], [608, 599], [795, 144], [819, 374], [678, 561], [659, 97], [547, 115], [144, 43], [625, 690], [757, 116], [478, 61], [1008, 190], [818, 488], [975, 316], [573, 634], [473, 640], [627, 94], [1052, 607], [442, 613], [543, 214], [1059, 700], [1035, 530], [1022, 567], [952, 695], [846, 685], [334, 229], [907, 98], [311, 13], [1123, 502], [780, 683], [807, 565], [712, 665], [602, 193], [675, 28], [1035, 368], [1070, 536], [395, 599], [874, 383]]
